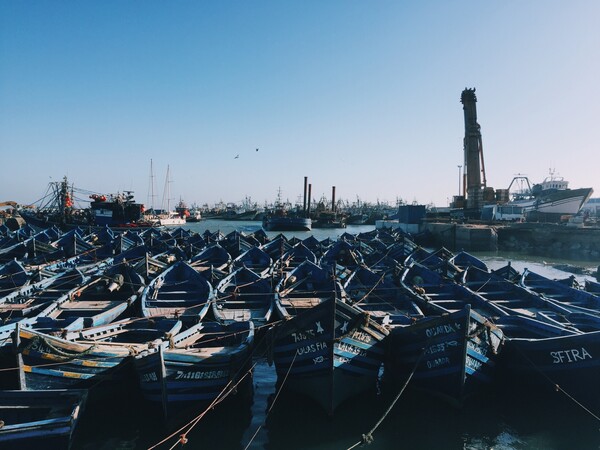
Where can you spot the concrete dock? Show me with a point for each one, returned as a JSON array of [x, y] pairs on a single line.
[[557, 240]]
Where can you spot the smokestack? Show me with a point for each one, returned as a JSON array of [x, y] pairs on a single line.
[[305, 184], [333, 198], [309, 197]]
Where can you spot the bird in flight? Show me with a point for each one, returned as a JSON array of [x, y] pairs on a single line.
[[236, 156]]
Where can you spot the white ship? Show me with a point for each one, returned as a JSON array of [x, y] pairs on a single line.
[[550, 200]]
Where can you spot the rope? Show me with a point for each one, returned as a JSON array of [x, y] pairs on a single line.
[[372, 289], [183, 439], [368, 437], [191, 424], [557, 387]]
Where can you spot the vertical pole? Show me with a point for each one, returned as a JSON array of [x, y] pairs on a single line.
[[305, 187], [163, 382], [333, 341], [20, 365], [309, 200], [333, 198]]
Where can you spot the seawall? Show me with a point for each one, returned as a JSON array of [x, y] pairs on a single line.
[[543, 239]]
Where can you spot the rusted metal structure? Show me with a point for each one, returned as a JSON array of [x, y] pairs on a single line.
[[474, 181]]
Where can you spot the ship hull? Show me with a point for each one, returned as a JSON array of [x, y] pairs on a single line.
[[287, 224]]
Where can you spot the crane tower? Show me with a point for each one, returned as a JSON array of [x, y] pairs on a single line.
[[474, 182]]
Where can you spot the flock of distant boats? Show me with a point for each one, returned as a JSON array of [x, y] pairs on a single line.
[[550, 199], [122, 211]]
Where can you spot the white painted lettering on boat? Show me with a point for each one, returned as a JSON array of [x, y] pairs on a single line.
[[209, 375], [311, 348], [481, 349], [351, 349], [473, 363], [303, 335], [361, 336], [441, 347], [432, 364], [149, 377], [38, 346], [442, 329], [570, 356], [318, 359]]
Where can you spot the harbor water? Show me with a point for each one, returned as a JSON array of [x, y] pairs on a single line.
[[264, 420]]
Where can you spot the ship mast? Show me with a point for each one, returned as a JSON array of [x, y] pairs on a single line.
[[167, 193], [151, 187]]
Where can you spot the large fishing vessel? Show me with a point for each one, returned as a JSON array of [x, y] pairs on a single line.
[[58, 208], [549, 200], [280, 219]]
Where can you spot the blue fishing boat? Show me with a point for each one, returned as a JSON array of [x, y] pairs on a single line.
[[243, 295], [276, 247], [198, 367], [511, 297], [213, 255], [40, 419], [293, 258], [464, 260], [454, 355], [329, 352], [438, 261], [314, 245], [592, 287], [378, 294], [12, 277], [85, 358], [179, 291], [32, 298], [303, 288], [103, 299], [341, 254], [255, 259], [540, 359], [565, 295], [508, 272], [237, 243]]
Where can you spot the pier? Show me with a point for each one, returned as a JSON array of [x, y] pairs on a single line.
[[544, 239]]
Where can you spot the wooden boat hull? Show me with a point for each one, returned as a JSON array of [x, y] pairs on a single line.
[[328, 353], [452, 356], [287, 224], [180, 291], [178, 379], [570, 362], [48, 362], [40, 419]]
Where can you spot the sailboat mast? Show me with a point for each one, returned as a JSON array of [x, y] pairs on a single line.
[[151, 186], [166, 193]]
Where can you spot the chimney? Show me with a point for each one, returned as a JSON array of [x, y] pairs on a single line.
[[305, 184], [309, 197], [333, 198]]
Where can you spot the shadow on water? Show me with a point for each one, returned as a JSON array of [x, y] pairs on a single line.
[[114, 423], [501, 419]]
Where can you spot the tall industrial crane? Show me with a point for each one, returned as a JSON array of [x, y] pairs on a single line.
[[474, 180]]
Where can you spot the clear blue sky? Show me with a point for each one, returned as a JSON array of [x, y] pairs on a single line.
[[363, 95]]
